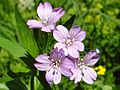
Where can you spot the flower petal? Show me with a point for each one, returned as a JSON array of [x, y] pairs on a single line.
[[73, 52], [42, 67], [34, 24], [74, 71], [59, 45], [65, 72], [57, 77], [60, 34], [76, 33], [66, 66], [49, 76], [46, 29], [56, 15], [41, 11], [54, 54], [44, 10], [86, 77], [67, 63], [78, 77], [63, 30], [81, 36], [91, 58], [51, 26], [91, 73], [48, 8], [78, 45], [57, 54], [65, 51], [42, 59]]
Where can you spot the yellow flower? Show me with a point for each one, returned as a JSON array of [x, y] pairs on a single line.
[[100, 70], [83, 9], [99, 6], [110, 12], [88, 18]]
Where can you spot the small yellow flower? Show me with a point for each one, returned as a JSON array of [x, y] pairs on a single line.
[[116, 11], [100, 70], [97, 19], [88, 18], [110, 12], [83, 9], [99, 6]]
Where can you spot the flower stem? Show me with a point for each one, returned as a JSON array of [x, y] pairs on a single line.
[[32, 83]]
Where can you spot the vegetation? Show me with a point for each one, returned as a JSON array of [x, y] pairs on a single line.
[[19, 45]]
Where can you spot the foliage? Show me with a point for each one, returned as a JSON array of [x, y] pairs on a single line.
[[99, 18]]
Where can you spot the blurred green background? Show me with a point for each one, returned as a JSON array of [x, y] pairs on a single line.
[[99, 18]]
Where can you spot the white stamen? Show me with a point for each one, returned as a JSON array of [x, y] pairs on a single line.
[[81, 59], [68, 42], [56, 64], [80, 65]]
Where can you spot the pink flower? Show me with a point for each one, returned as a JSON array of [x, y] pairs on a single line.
[[54, 65], [48, 17], [82, 71], [70, 41]]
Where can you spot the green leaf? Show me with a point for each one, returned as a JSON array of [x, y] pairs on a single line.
[[25, 35], [116, 21], [106, 87], [18, 75], [50, 43], [68, 24], [3, 86], [44, 40], [41, 39], [5, 78], [7, 33], [17, 69], [116, 68], [29, 60], [12, 47], [16, 84]]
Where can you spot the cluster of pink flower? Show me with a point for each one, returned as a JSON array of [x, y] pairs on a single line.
[[64, 58]]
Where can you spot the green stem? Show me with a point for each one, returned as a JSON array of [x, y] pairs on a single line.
[[43, 81], [32, 83]]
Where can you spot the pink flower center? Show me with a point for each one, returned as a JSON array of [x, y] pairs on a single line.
[[68, 42], [81, 64], [56, 64], [45, 21]]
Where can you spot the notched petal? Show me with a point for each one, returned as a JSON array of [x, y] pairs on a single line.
[[86, 77], [49, 76], [34, 24], [73, 52], [56, 15], [57, 77], [91, 58], [78, 46], [43, 59]]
